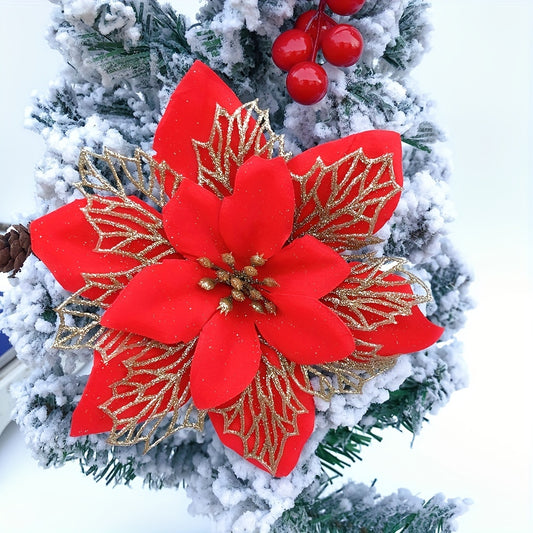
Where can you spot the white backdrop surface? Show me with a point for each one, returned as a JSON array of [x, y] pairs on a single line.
[[479, 446]]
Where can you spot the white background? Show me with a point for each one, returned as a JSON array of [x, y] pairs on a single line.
[[479, 446]]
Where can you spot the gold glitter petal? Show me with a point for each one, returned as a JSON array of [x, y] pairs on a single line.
[[79, 324], [79, 317], [218, 161], [124, 227], [347, 376], [113, 343], [146, 174], [158, 397], [367, 300], [139, 236], [274, 408], [334, 198]]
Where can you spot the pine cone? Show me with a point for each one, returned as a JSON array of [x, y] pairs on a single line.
[[15, 247]]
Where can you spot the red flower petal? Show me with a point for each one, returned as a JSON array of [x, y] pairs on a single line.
[[189, 115], [269, 423], [257, 217], [271, 356], [226, 359], [191, 222], [379, 317], [66, 242], [128, 227], [88, 417], [409, 334], [359, 197], [158, 375], [165, 303], [306, 331], [306, 267]]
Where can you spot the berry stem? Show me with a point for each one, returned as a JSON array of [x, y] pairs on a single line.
[[319, 15]]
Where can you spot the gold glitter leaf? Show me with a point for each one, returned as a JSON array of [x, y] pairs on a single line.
[[340, 203], [348, 375], [234, 138], [113, 342], [376, 292], [266, 414], [125, 226], [110, 173], [128, 228], [79, 324], [154, 394], [79, 314]]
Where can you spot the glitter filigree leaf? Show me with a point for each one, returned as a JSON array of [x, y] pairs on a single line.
[[234, 138], [339, 204], [125, 226], [79, 314], [155, 393], [129, 228], [110, 173], [79, 324], [348, 375], [272, 410], [375, 294]]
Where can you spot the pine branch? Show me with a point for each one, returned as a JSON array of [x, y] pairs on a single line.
[[366, 87], [342, 447], [142, 63], [61, 109], [406, 407], [412, 27], [210, 43], [114, 471], [163, 31], [359, 509], [426, 134]]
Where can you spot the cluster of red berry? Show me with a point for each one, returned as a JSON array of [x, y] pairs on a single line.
[[296, 50]]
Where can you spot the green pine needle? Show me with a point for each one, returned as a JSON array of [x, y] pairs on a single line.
[[342, 447]]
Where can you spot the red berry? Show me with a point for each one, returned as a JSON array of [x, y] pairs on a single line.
[[307, 83], [345, 7], [308, 22], [342, 45], [291, 47]]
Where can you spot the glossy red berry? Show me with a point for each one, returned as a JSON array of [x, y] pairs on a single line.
[[342, 45], [308, 22], [292, 47], [307, 83], [345, 7]]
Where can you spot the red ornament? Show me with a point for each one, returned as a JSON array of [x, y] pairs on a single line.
[[291, 47], [345, 7], [308, 22], [342, 45], [307, 83], [232, 295]]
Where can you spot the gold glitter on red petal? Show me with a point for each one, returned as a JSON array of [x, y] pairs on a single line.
[[218, 161], [155, 393], [347, 376], [374, 294], [339, 204]]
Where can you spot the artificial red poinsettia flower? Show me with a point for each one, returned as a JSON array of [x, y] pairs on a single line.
[[223, 292]]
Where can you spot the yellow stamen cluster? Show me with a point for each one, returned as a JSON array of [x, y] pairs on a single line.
[[242, 283]]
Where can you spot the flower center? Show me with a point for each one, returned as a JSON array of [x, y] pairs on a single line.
[[243, 283]]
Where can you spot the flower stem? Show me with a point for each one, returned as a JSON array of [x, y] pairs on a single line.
[[318, 17]]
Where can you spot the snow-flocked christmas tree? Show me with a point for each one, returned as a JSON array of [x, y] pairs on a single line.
[[125, 59]]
